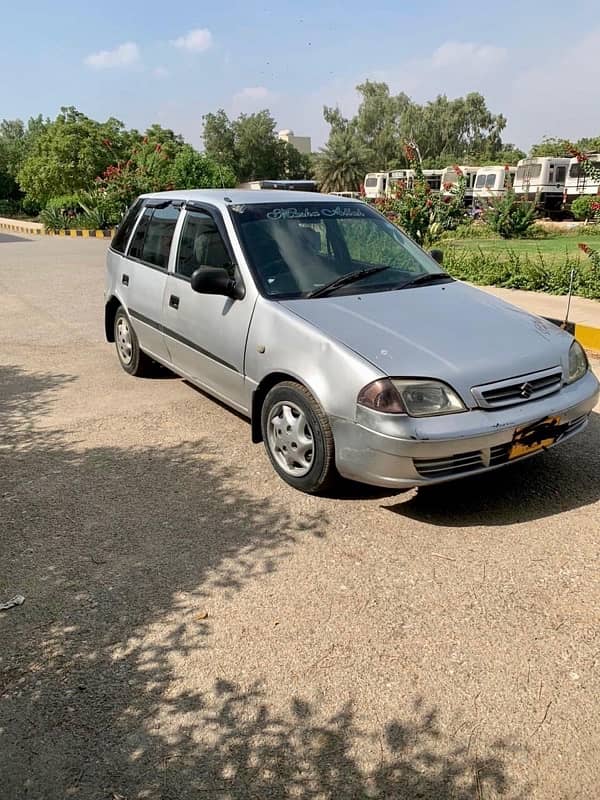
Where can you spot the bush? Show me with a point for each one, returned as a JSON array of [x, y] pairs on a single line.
[[54, 219], [471, 230], [8, 208], [30, 206], [513, 270], [585, 207], [509, 216], [67, 203]]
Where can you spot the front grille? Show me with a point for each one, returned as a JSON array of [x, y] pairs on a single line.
[[499, 454], [450, 465], [575, 424], [518, 390], [463, 463]]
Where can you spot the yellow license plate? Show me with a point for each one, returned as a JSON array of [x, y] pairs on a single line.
[[531, 438]]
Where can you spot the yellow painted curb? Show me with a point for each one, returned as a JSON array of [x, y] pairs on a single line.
[[20, 229], [587, 337], [74, 233]]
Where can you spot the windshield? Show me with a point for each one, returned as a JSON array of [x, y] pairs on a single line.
[[295, 249]]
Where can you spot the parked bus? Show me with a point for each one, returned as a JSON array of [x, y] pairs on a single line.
[[376, 184], [543, 180], [433, 178], [400, 178], [578, 183], [450, 177], [491, 182]]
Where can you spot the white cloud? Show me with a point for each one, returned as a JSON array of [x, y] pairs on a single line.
[[122, 56], [196, 40], [160, 72], [467, 54], [253, 93]]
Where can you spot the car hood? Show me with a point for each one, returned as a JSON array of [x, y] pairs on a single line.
[[452, 332]]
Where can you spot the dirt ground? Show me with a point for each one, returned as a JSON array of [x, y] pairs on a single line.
[[193, 628]]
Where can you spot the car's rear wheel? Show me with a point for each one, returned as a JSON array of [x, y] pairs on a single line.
[[298, 438], [132, 359]]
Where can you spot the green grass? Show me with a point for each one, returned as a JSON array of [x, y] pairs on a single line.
[[553, 250], [538, 265]]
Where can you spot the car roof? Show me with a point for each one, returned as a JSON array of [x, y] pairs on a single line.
[[225, 197]]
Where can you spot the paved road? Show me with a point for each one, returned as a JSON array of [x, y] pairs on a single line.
[[194, 628]]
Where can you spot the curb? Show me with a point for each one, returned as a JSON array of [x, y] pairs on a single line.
[[83, 233], [73, 233], [587, 336]]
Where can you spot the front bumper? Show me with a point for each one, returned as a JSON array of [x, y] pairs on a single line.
[[387, 450]]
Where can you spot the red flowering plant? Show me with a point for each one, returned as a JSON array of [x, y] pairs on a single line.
[[422, 213], [148, 169]]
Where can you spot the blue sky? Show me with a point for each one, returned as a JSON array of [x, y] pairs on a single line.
[[536, 62]]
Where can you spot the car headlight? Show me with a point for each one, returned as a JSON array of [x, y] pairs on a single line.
[[578, 363], [419, 398]]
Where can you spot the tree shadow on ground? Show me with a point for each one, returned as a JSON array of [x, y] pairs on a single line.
[[11, 238], [110, 543], [561, 479]]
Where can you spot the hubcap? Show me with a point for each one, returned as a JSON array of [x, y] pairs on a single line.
[[290, 438], [124, 340]]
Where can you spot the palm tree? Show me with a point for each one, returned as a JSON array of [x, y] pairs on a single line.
[[341, 163]]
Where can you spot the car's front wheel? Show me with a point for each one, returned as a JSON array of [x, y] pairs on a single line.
[[133, 360], [298, 438]]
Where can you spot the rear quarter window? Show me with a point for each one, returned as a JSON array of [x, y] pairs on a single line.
[[121, 237]]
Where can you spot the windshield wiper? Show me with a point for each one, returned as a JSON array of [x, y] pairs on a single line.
[[344, 280], [427, 277]]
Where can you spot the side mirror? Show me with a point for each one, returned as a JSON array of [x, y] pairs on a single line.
[[437, 255], [216, 280]]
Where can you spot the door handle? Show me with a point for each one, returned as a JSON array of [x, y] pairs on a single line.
[[125, 280], [174, 301]]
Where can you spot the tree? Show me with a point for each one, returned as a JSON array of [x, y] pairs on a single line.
[[378, 124], [219, 139], [510, 154], [194, 170], [549, 146], [589, 144], [16, 140], [462, 130], [249, 145], [449, 130], [341, 164], [69, 153]]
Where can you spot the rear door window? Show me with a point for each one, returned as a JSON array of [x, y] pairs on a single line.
[[158, 238]]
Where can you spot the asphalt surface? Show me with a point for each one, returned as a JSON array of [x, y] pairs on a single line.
[[193, 628]]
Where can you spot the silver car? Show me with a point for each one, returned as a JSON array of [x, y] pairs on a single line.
[[347, 346]]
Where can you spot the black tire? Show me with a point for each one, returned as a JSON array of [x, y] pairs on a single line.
[[321, 474], [138, 363]]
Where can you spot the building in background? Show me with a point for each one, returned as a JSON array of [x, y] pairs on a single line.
[[301, 143]]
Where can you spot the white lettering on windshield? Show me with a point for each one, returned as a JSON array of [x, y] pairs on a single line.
[[308, 213]]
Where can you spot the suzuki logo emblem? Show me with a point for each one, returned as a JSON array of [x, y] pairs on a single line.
[[526, 390]]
